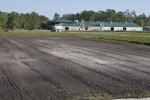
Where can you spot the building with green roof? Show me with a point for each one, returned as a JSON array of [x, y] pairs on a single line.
[[146, 28], [67, 25], [62, 21]]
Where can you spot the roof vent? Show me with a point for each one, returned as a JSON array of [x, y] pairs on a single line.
[[76, 21], [82, 21], [98, 23]]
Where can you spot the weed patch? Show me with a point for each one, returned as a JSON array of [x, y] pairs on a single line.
[[103, 96], [2, 49]]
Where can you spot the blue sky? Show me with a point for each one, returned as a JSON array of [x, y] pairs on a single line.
[[49, 7]]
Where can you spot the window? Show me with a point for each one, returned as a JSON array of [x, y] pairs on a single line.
[[124, 29], [86, 28], [66, 28], [112, 29]]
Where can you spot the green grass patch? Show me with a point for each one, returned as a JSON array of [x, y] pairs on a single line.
[[142, 38], [102, 96], [2, 49]]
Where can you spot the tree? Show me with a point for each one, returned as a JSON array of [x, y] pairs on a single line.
[[56, 16], [13, 21], [142, 20], [2, 20], [102, 15], [120, 17], [69, 17], [25, 21], [78, 16], [110, 15], [87, 15]]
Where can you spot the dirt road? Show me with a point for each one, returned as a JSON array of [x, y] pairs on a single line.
[[58, 67]]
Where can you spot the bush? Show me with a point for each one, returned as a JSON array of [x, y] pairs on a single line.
[[6, 30]]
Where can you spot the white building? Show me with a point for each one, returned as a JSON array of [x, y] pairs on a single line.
[[146, 28], [66, 25]]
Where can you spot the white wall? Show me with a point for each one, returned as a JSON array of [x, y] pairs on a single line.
[[72, 28], [106, 29], [121, 29], [58, 28], [98, 28], [118, 28], [134, 29], [94, 28]]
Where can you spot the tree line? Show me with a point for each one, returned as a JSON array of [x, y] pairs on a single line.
[[15, 21], [33, 20], [107, 16]]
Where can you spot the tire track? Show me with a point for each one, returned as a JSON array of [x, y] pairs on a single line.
[[38, 52], [119, 70], [132, 48], [122, 65], [8, 77], [31, 53], [33, 50], [9, 46], [49, 80], [138, 65], [12, 83], [65, 69]]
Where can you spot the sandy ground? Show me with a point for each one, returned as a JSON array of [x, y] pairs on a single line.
[[59, 67]]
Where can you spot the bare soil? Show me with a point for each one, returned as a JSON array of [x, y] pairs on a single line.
[[58, 67]]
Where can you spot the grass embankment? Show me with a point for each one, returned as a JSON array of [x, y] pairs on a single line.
[[136, 38]]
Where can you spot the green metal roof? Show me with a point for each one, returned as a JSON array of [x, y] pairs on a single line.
[[62, 21], [147, 27], [94, 24], [105, 24], [81, 24], [76, 24], [120, 24]]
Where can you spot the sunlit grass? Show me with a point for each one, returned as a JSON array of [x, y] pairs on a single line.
[[105, 96], [136, 38], [2, 49]]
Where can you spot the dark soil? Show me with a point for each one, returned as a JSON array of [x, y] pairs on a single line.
[[59, 67]]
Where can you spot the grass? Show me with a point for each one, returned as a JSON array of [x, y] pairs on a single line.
[[102, 96], [2, 49], [142, 38], [136, 38]]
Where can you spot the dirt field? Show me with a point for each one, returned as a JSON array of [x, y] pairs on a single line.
[[58, 67]]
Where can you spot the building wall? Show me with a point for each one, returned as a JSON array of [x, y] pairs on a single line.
[[57, 28], [77, 28], [118, 28], [134, 29], [121, 29], [94, 28], [106, 28], [71, 28], [146, 29]]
